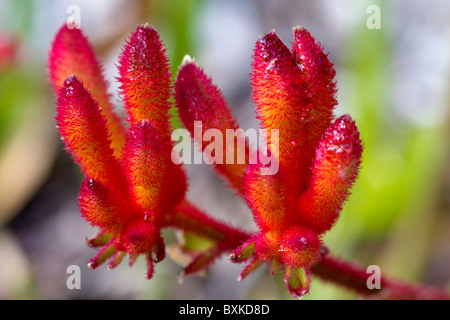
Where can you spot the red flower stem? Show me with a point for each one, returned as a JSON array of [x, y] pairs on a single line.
[[190, 218], [354, 277]]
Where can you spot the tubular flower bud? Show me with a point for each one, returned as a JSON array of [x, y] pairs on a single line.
[[145, 79], [199, 100], [72, 54], [336, 167], [103, 207], [288, 101], [128, 194], [147, 163], [268, 198], [84, 132], [294, 92], [133, 194]]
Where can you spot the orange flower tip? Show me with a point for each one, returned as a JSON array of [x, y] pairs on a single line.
[[103, 207], [68, 84], [66, 42], [336, 166], [267, 197], [143, 45], [70, 53], [84, 132], [156, 182]]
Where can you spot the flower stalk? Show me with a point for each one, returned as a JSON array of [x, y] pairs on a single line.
[[133, 188]]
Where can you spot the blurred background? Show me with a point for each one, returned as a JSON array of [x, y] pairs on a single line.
[[393, 79]]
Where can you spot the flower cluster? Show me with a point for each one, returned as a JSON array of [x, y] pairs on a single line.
[[294, 92], [132, 188]]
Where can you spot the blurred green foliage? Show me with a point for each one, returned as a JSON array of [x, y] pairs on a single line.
[[389, 217]]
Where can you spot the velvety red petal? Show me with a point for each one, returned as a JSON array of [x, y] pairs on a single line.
[[335, 170], [84, 131], [284, 91], [198, 99], [145, 79], [72, 54], [156, 182], [268, 198], [103, 207]]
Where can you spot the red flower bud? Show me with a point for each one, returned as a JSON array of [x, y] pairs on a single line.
[[336, 167], [156, 182], [198, 99], [85, 134], [72, 54], [145, 79]]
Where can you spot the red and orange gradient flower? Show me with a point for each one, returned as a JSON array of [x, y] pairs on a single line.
[[132, 189], [319, 157]]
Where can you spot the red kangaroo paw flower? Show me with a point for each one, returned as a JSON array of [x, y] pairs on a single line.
[[294, 92], [335, 169], [288, 100], [134, 187], [319, 73], [72, 54], [283, 102], [84, 132], [156, 183], [268, 198], [8, 50], [198, 99], [104, 207], [145, 79]]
